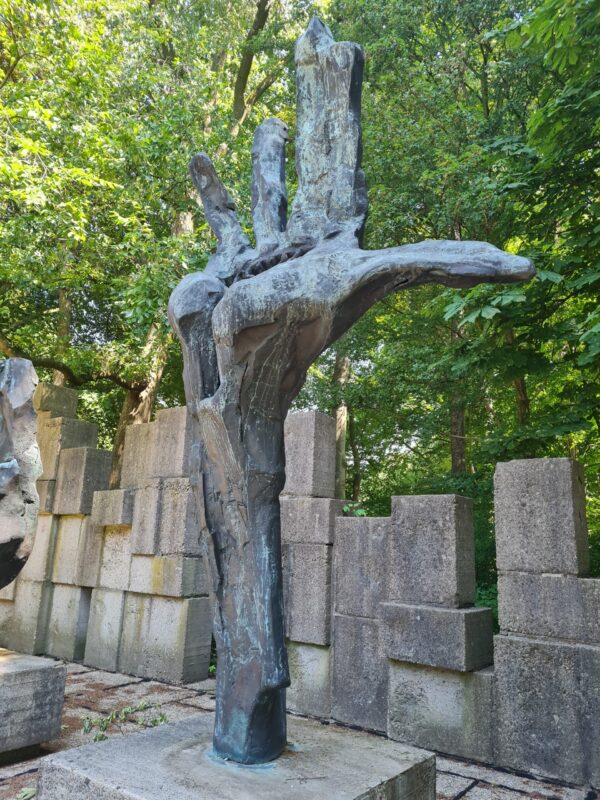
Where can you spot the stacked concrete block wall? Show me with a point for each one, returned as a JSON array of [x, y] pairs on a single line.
[[117, 577], [378, 609], [308, 515], [47, 612], [406, 651], [547, 655], [438, 644], [380, 617], [150, 611]]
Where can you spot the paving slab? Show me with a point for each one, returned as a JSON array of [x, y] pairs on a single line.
[[175, 762], [150, 692], [96, 679], [10, 790], [207, 685], [508, 780], [27, 767], [77, 669], [449, 787], [204, 702]]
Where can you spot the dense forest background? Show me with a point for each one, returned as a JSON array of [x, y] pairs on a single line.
[[481, 121]]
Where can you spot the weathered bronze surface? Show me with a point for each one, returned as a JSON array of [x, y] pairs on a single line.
[[250, 326]]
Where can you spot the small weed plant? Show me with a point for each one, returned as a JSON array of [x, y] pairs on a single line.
[[117, 719]]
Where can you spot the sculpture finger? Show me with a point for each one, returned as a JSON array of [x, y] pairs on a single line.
[[218, 205], [269, 195], [331, 198]]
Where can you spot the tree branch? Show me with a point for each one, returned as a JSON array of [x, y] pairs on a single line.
[[241, 82], [6, 349], [10, 72]]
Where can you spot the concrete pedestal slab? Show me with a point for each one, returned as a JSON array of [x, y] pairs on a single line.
[[32, 692], [175, 762]]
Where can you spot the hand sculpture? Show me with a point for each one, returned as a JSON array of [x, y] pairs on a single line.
[[250, 326]]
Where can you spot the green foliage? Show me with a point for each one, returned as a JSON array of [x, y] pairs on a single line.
[[119, 717], [487, 597], [354, 509], [102, 104], [480, 121]]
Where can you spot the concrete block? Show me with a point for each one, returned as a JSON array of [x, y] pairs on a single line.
[[104, 629], [66, 554], [116, 558], [548, 708], [113, 507], [146, 518], [77, 551], [91, 545], [432, 551], [309, 520], [310, 672], [554, 606], [451, 712], [46, 490], [55, 435], [137, 455], [310, 454], [166, 638], [32, 692], [39, 564], [307, 592], [360, 673], [171, 443], [24, 627], [450, 638], [171, 576], [540, 516], [174, 762], [178, 525], [58, 401], [7, 593], [360, 557], [81, 472], [67, 626]]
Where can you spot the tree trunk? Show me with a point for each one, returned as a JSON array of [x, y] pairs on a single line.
[[356, 473], [241, 81], [458, 449], [341, 374], [522, 400], [458, 441], [138, 402], [131, 401], [63, 331], [522, 397]]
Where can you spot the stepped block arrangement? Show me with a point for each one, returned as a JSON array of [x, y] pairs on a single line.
[[117, 577], [390, 638], [382, 628]]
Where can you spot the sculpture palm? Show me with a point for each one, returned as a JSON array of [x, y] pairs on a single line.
[[250, 326]]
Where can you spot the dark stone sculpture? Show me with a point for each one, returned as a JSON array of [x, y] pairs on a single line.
[[250, 326], [20, 466]]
